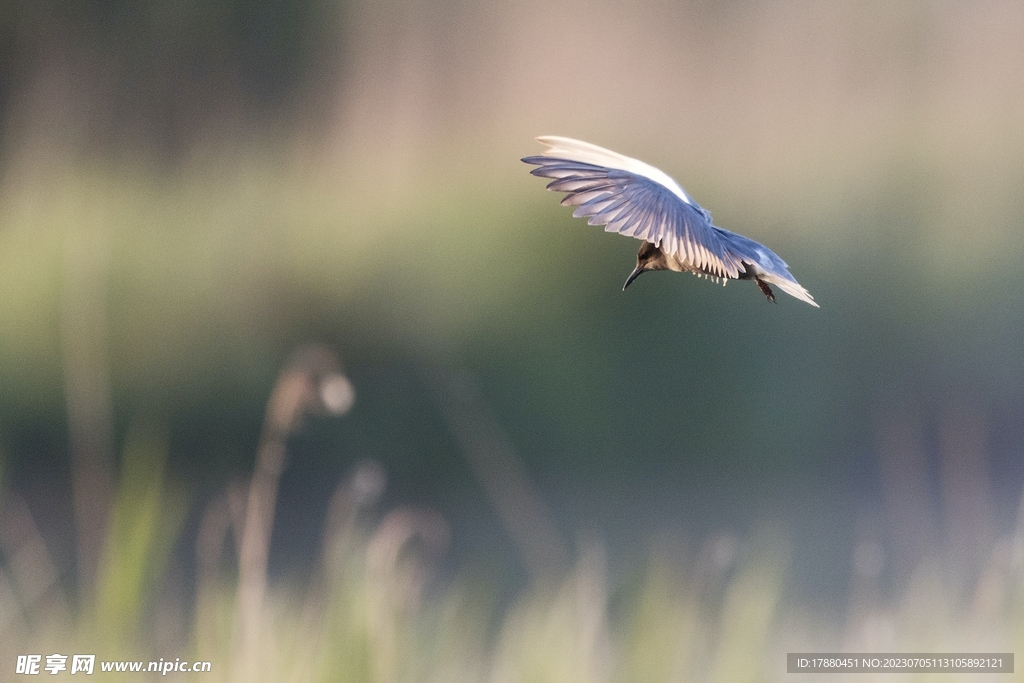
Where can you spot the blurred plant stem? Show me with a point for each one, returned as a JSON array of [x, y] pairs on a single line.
[[83, 328], [145, 519], [310, 382], [749, 609], [31, 578], [499, 469]]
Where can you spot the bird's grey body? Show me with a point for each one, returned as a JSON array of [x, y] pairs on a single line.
[[632, 198]]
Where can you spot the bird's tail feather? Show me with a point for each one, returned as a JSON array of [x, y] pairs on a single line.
[[793, 288]]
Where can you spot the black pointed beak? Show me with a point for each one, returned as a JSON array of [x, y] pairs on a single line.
[[632, 276]]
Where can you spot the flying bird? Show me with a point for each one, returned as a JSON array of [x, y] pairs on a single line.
[[630, 197]]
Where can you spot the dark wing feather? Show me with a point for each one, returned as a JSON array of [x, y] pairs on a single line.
[[636, 206]]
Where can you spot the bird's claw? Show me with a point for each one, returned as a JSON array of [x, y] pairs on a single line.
[[766, 289]]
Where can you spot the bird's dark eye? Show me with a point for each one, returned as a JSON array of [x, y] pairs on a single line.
[[646, 249]]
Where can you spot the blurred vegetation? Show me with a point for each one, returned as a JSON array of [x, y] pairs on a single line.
[[189, 191], [149, 79], [373, 609]]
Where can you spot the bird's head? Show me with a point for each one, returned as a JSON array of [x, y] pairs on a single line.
[[649, 257]]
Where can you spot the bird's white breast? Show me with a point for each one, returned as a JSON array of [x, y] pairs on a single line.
[[586, 153]]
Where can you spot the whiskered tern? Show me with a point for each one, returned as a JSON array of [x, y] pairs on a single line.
[[632, 198]]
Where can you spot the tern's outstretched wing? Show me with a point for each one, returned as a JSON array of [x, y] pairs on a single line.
[[635, 205]]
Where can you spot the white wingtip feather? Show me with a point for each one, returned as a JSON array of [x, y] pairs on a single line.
[[587, 153], [793, 289]]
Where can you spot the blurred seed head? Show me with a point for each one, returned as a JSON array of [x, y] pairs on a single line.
[[425, 532], [353, 496], [367, 483], [337, 393], [310, 383], [400, 554]]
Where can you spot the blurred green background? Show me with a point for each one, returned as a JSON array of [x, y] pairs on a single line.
[[191, 190]]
